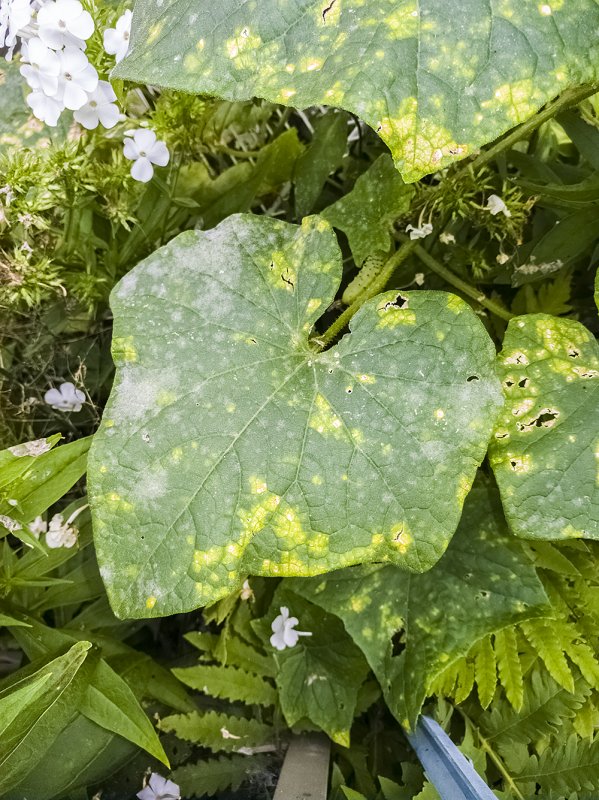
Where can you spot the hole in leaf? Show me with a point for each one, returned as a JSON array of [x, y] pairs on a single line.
[[471, 378], [398, 302], [287, 281], [509, 384], [573, 352], [397, 644], [545, 419], [349, 390], [523, 383]]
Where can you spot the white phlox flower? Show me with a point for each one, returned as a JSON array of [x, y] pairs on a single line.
[[145, 150], [64, 23], [116, 40], [77, 78], [495, 205], [420, 232], [41, 68], [100, 108], [284, 633], [159, 788], [47, 109], [65, 398], [246, 592], [38, 526], [60, 533], [14, 16]]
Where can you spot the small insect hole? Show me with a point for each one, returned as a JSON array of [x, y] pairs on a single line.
[[523, 383], [287, 281], [349, 391], [509, 384], [399, 301], [471, 378], [397, 644], [573, 352]]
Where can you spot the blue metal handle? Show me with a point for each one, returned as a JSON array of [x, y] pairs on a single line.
[[452, 775]]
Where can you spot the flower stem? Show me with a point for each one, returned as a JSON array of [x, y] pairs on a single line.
[[461, 285], [377, 284]]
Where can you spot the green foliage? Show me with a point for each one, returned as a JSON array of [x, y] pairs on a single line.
[[259, 287], [367, 214], [483, 583], [543, 448], [211, 776], [398, 84]]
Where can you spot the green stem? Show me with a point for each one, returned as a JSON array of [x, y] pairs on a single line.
[[377, 284], [570, 97], [461, 285], [495, 758]]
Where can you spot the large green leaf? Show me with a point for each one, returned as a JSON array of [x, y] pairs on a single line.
[[545, 448], [35, 705], [435, 79], [483, 583], [230, 445]]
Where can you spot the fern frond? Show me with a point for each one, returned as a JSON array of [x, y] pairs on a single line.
[[508, 665], [218, 732], [215, 775], [545, 705], [547, 556], [566, 767], [586, 720], [229, 683], [544, 636], [465, 680], [233, 652], [485, 665]]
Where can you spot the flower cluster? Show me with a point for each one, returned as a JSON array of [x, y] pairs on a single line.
[[53, 35]]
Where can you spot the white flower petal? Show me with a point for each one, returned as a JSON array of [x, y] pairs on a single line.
[[159, 154], [88, 117], [130, 149], [142, 170], [144, 139], [109, 115]]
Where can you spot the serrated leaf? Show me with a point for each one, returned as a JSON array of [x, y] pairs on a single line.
[[567, 766], [231, 446], [545, 706], [229, 683], [544, 448], [218, 731], [318, 679], [214, 775], [366, 214], [509, 667], [482, 583], [400, 66], [545, 639], [486, 671]]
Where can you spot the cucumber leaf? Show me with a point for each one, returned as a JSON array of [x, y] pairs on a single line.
[[544, 449], [483, 583], [231, 446], [436, 80]]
